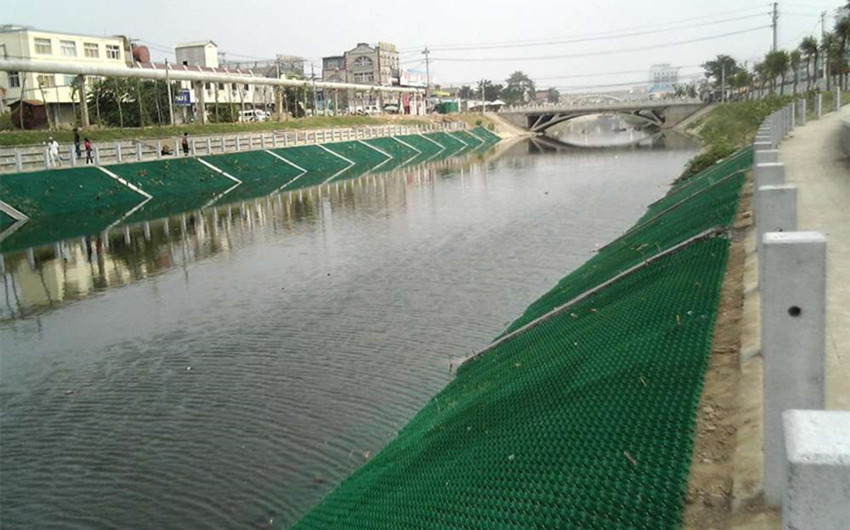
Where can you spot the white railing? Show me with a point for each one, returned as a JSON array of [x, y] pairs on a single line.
[[36, 157]]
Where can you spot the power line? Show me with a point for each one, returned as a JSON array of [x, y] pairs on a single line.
[[631, 28], [580, 76], [601, 52], [597, 38]]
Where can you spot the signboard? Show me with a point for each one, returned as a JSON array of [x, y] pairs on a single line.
[[413, 78], [183, 98]]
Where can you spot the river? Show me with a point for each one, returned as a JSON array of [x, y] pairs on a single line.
[[226, 369]]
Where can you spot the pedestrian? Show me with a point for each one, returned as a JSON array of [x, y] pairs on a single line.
[[185, 144], [89, 159], [53, 151], [77, 142]]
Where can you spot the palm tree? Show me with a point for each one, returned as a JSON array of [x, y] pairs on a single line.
[[760, 72], [795, 58], [829, 49], [810, 49], [842, 32], [776, 64]]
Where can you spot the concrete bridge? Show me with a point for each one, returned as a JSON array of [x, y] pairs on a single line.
[[660, 113]]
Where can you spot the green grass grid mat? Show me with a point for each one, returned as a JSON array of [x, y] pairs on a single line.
[[427, 147], [453, 145], [396, 149], [467, 138], [360, 154], [55, 192], [255, 166], [586, 421], [739, 161], [179, 176], [485, 134], [5, 219], [45, 230], [713, 207]]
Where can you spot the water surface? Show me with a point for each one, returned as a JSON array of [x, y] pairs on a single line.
[[226, 368]]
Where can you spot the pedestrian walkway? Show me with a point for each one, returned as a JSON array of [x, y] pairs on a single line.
[[816, 164]]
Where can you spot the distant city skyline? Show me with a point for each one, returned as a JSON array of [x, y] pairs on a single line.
[[557, 45]]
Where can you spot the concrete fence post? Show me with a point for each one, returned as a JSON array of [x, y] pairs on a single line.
[[251, 142], [802, 112], [159, 149], [262, 140], [97, 155], [139, 151], [209, 146], [765, 156], [176, 146], [238, 144], [817, 452], [284, 140], [837, 99], [274, 140], [19, 161], [818, 106], [118, 155], [776, 210], [769, 174], [793, 340], [762, 146], [192, 152], [46, 158], [72, 156], [792, 118]]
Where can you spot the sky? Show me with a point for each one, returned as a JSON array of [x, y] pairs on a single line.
[[566, 44]]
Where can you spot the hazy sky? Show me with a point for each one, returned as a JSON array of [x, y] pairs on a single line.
[[251, 29]]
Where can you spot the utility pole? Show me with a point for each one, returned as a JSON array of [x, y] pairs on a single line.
[[825, 53], [774, 23], [315, 99], [722, 82], [426, 52], [170, 98]]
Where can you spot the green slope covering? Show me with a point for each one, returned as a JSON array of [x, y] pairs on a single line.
[[401, 153], [358, 153], [179, 176], [586, 419], [5, 220], [453, 145], [586, 422], [61, 191], [261, 174], [428, 148], [45, 230], [714, 206], [320, 164]]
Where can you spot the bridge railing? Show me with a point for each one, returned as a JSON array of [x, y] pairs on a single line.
[[625, 103]]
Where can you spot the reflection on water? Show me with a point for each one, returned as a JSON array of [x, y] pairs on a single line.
[[227, 367], [606, 130]]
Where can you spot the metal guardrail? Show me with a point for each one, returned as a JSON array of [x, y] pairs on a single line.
[[629, 103], [35, 158]]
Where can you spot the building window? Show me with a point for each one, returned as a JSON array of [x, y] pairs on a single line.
[[14, 79], [113, 51], [207, 87], [364, 78], [45, 80], [221, 86], [362, 62], [91, 49], [247, 88], [68, 47], [43, 46]]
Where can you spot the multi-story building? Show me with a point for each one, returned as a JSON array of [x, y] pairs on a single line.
[[662, 77], [56, 92], [372, 66], [333, 69]]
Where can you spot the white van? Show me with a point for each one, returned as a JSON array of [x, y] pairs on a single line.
[[253, 115]]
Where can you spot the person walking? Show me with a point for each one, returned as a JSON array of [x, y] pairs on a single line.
[[185, 144], [77, 143], [89, 159], [53, 152]]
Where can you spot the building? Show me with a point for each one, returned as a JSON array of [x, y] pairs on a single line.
[[662, 77], [372, 66], [333, 69], [199, 53], [57, 92]]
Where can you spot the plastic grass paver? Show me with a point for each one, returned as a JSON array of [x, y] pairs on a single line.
[[714, 207], [397, 149], [61, 191], [46, 230], [178, 176], [5, 219], [320, 165], [255, 166], [453, 145], [585, 422], [359, 153]]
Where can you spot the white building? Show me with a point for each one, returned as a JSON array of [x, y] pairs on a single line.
[[662, 77], [54, 90]]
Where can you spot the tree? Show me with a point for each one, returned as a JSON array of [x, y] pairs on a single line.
[[553, 96], [776, 65], [741, 81], [488, 91], [810, 50], [519, 89], [715, 69], [795, 59], [465, 92], [842, 33]]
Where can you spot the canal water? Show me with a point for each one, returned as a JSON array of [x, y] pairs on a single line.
[[225, 369]]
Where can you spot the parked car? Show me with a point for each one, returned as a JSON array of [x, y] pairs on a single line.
[[253, 115]]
